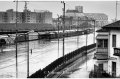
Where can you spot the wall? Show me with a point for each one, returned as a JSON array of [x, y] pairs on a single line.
[[117, 58]]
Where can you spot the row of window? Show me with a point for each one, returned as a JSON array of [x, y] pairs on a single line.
[[103, 43]]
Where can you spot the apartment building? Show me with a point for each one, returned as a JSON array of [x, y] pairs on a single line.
[[26, 17], [3, 17], [107, 56]]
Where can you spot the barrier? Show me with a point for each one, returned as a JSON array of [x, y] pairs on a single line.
[[60, 61]]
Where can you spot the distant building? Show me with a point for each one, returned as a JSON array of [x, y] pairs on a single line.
[[3, 17], [107, 56], [11, 16], [46, 17], [79, 9], [29, 17], [26, 17], [100, 18]]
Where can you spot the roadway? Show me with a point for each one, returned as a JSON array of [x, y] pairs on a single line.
[[43, 53]]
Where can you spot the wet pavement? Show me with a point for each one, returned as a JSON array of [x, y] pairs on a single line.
[[43, 53]]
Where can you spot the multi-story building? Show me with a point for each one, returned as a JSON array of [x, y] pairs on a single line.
[[26, 17], [107, 56], [11, 16], [46, 15], [79, 9], [101, 19], [3, 17], [29, 17]]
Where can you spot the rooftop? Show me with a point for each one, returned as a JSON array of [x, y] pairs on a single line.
[[102, 30], [112, 26], [97, 16], [72, 11]]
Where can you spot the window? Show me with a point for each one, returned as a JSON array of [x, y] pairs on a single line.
[[106, 43], [101, 67], [102, 43], [113, 40]]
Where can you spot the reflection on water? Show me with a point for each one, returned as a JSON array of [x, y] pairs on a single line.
[[42, 53]]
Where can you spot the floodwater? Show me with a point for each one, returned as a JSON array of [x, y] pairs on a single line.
[[41, 53]]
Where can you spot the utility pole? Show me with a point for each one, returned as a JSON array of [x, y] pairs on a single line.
[[28, 59], [63, 25], [78, 34], [27, 41], [86, 49], [116, 10], [16, 39], [58, 35], [94, 32]]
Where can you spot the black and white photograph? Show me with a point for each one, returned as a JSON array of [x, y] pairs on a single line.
[[59, 38]]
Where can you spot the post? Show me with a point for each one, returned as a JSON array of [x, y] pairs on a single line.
[[63, 25], [86, 50], [28, 58], [58, 36], [16, 40], [94, 32], [78, 34], [27, 42], [116, 12]]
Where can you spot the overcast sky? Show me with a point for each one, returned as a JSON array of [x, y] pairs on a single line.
[[107, 7]]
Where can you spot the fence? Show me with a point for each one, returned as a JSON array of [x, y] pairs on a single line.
[[60, 61]]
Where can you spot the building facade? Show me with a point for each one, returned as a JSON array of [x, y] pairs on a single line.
[[26, 17], [101, 19], [107, 56]]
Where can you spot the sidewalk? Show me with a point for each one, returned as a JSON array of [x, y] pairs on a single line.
[[83, 70]]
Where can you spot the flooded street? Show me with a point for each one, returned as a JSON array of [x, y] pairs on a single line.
[[41, 53]]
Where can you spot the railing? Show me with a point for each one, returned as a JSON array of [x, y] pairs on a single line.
[[102, 50], [60, 61], [101, 54]]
